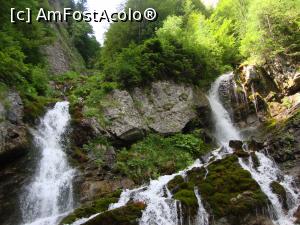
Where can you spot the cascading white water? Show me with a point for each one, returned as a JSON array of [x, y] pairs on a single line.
[[202, 215], [50, 195], [267, 172], [162, 209], [224, 129]]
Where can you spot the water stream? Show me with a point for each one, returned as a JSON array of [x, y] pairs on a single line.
[[50, 194], [162, 209]]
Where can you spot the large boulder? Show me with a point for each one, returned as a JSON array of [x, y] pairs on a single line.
[[125, 122], [167, 107]]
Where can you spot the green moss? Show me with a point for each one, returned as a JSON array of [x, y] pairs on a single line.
[[227, 190], [99, 205], [225, 181], [279, 190], [127, 215], [187, 197], [173, 184]]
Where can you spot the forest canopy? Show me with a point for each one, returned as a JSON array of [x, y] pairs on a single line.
[[188, 42], [192, 43]]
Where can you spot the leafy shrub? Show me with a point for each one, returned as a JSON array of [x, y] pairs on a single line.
[[156, 155]]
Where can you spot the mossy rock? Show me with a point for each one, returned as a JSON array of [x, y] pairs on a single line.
[[241, 153], [187, 197], [127, 215], [173, 185], [227, 190], [226, 181], [89, 209], [279, 190]]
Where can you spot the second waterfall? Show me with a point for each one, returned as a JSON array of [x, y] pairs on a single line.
[[50, 194]]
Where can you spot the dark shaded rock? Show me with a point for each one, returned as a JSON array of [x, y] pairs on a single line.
[[297, 215], [84, 130], [2, 112], [13, 142], [279, 190], [255, 160], [251, 220], [127, 215], [236, 145], [255, 146]]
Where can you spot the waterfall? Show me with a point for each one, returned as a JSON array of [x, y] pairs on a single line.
[[162, 209], [202, 215], [50, 195], [224, 129], [267, 172]]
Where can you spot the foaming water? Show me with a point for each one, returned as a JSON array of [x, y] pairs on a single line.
[[224, 128], [162, 209], [202, 215], [50, 195], [266, 173]]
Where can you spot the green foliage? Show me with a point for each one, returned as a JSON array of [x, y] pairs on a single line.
[[272, 28], [156, 155], [187, 197], [22, 65], [88, 91], [96, 149], [140, 64], [85, 41], [188, 47]]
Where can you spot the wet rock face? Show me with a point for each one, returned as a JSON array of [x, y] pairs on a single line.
[[91, 189], [252, 220]]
